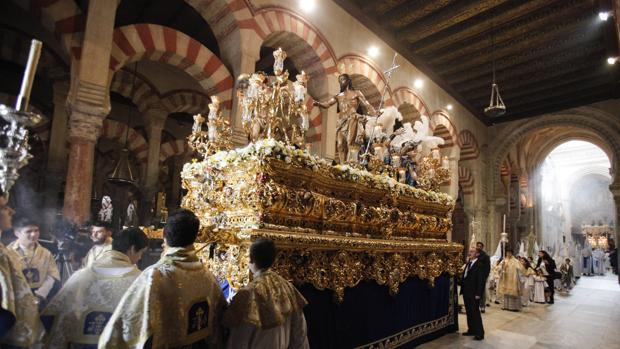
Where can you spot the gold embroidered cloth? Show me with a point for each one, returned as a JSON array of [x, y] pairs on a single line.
[[38, 265], [265, 302], [79, 312], [174, 303], [509, 281], [18, 299]]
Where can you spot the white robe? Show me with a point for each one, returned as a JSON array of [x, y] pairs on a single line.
[[80, 311], [598, 262], [539, 289]]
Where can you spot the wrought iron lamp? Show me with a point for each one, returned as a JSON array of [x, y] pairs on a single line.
[[496, 105]]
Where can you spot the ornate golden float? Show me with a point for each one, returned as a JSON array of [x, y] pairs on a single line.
[[334, 224]]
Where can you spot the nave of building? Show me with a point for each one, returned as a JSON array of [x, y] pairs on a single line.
[[586, 317]]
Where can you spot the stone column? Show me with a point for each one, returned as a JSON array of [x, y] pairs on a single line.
[[84, 129], [89, 103], [156, 121], [57, 151]]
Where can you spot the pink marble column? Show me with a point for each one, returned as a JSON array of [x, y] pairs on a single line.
[[84, 129]]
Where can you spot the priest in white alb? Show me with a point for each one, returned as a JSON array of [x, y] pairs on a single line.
[[101, 235], [175, 303], [268, 312], [76, 316]]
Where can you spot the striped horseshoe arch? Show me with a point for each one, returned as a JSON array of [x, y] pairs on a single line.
[[466, 180], [172, 148], [469, 146], [443, 127], [116, 131], [405, 97], [158, 43]]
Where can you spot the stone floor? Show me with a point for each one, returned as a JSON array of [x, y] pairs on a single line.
[[588, 317]]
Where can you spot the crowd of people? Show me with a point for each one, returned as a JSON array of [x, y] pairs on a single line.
[[109, 303], [517, 281]]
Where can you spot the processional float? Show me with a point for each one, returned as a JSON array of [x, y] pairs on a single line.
[[334, 224]]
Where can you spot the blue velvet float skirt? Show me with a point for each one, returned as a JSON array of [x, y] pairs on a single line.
[[369, 317]]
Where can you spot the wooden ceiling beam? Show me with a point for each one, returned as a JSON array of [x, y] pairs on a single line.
[[570, 15], [543, 82], [545, 44], [446, 18], [541, 64], [555, 106], [479, 25], [552, 92], [412, 11]]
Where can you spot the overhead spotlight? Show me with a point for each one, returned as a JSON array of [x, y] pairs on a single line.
[[603, 16], [373, 51], [418, 83], [449, 106], [612, 60], [307, 5]]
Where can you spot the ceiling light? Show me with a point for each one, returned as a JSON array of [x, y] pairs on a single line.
[[373, 51], [418, 83], [307, 5], [449, 107], [612, 60], [603, 16]]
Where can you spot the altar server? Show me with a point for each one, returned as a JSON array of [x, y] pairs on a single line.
[[76, 316], [19, 317], [39, 265], [540, 283], [268, 312], [101, 235], [176, 302], [598, 261]]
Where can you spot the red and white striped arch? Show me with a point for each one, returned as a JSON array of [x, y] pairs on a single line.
[[223, 16], [136, 144], [158, 43], [469, 146], [442, 127], [141, 92], [173, 148], [407, 95], [186, 101], [355, 64], [61, 17], [466, 180], [273, 20]]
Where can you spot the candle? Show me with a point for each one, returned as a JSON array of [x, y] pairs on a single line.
[[435, 154], [504, 226], [401, 175], [31, 68], [445, 163]]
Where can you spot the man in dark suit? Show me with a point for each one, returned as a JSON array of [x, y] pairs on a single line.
[[472, 289], [485, 262]]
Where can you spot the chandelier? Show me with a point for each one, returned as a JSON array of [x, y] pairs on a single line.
[[496, 104]]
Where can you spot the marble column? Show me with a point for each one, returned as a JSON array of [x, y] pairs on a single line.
[[156, 121], [57, 151], [84, 128]]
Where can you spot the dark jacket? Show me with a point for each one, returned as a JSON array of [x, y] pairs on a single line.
[[473, 284], [485, 263]]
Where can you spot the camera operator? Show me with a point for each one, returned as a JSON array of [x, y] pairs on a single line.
[[101, 235], [39, 266]]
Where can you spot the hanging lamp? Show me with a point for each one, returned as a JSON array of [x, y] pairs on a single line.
[[496, 105], [122, 173]]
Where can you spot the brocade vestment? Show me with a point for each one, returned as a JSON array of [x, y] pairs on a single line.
[[509, 280], [175, 303], [95, 252], [40, 267], [17, 298], [76, 316], [267, 314]]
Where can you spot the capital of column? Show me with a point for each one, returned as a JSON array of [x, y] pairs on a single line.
[[85, 122]]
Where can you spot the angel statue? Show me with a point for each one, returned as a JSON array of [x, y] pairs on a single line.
[[350, 126]]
